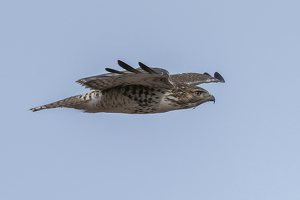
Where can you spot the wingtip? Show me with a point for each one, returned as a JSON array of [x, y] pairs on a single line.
[[113, 71], [128, 67], [146, 68], [219, 77], [121, 63], [207, 74]]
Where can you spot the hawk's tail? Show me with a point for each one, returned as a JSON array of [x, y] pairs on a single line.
[[71, 102]]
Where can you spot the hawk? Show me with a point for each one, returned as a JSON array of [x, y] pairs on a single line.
[[139, 91]]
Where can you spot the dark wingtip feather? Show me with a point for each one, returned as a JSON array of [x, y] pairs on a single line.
[[219, 77], [128, 67], [113, 71], [207, 73], [146, 68]]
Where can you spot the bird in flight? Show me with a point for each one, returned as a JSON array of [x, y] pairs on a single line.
[[139, 91]]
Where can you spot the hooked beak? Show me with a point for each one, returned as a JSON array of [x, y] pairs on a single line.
[[211, 98]]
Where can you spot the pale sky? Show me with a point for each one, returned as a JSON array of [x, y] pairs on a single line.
[[245, 146]]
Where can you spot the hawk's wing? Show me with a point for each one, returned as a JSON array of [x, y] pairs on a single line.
[[152, 77], [195, 78]]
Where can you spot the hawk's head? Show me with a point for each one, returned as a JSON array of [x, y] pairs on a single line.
[[190, 96]]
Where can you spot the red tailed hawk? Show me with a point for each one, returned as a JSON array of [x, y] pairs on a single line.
[[139, 91]]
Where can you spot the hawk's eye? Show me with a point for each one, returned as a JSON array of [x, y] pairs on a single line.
[[198, 93]]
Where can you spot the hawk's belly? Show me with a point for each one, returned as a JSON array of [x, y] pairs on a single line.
[[135, 99]]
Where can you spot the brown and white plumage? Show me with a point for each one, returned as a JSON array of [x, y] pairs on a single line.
[[139, 91]]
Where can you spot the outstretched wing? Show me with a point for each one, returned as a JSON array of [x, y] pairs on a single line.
[[152, 77], [195, 78]]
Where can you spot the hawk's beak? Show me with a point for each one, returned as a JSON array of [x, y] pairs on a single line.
[[211, 98]]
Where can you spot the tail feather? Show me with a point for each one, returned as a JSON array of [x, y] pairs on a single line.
[[71, 102]]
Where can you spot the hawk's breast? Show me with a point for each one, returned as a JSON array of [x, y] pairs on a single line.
[[136, 99]]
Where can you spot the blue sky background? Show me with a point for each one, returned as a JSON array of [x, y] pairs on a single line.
[[245, 146]]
